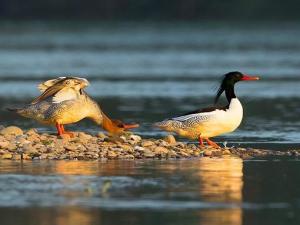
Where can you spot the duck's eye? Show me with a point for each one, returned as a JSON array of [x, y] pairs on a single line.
[[120, 125]]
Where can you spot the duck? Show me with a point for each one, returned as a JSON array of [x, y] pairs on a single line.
[[203, 124], [64, 101]]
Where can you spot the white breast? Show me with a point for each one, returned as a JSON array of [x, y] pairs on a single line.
[[235, 113], [225, 121]]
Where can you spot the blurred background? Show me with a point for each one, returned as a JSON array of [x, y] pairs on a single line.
[[152, 59]]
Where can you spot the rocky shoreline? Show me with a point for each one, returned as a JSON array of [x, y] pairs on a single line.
[[16, 144]]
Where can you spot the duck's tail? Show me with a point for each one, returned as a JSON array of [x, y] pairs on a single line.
[[20, 111], [16, 110]]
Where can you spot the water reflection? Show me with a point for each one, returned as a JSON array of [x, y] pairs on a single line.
[[221, 180], [75, 194]]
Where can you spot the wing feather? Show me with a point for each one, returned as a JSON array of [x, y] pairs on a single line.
[[49, 83], [196, 116]]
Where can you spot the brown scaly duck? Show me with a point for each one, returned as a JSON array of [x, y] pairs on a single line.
[[63, 101]]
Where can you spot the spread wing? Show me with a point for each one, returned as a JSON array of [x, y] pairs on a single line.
[[49, 83], [58, 89], [51, 91]]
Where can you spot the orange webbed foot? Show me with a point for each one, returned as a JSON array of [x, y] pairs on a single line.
[[211, 143]]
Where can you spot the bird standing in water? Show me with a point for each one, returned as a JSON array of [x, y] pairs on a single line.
[[210, 122], [63, 101]]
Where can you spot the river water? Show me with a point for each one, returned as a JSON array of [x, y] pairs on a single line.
[[144, 73]]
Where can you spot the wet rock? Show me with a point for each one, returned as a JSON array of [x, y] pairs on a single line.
[[139, 148], [134, 139], [16, 157], [196, 153], [4, 144], [162, 143], [184, 154], [180, 145], [112, 155], [65, 137], [26, 156], [20, 140], [71, 147], [84, 136], [7, 156], [12, 147], [217, 153], [147, 143], [102, 136], [11, 130], [170, 139], [126, 148], [126, 157], [161, 150], [148, 154], [33, 138], [207, 153], [31, 132], [172, 154]]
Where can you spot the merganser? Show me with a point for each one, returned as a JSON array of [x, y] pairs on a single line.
[[210, 122], [64, 101]]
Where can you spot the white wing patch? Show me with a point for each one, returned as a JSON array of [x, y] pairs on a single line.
[[65, 94]]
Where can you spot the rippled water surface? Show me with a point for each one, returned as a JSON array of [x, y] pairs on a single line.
[[205, 191], [145, 73]]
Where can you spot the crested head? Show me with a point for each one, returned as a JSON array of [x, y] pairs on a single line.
[[230, 79]]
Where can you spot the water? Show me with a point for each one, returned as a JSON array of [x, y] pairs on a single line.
[[205, 191], [145, 73]]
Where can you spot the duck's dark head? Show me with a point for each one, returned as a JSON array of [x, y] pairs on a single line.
[[228, 82]]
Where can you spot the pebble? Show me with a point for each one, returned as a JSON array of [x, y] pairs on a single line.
[[134, 139], [31, 145], [16, 157], [160, 150], [147, 143], [207, 153], [101, 135], [82, 135], [11, 130], [65, 137], [149, 154], [111, 155], [7, 156], [170, 139], [4, 144]]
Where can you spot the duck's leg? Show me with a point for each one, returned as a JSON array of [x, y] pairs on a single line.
[[66, 132], [211, 143], [59, 130], [201, 143]]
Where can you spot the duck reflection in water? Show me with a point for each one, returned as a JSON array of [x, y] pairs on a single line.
[[221, 180]]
